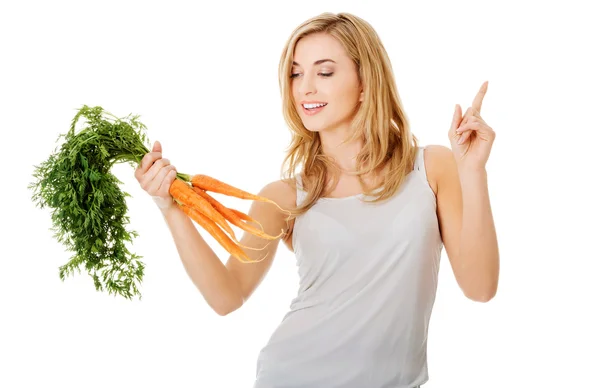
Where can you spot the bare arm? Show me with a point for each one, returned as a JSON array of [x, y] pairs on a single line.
[[273, 220], [466, 224], [226, 287], [202, 265]]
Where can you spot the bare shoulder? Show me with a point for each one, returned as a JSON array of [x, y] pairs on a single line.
[[282, 191], [439, 163]]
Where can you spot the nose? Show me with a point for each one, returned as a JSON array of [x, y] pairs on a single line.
[[306, 85]]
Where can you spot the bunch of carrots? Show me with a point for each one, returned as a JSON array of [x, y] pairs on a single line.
[[89, 209], [193, 198]]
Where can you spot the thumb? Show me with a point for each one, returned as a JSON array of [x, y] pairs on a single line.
[[156, 147], [456, 118]]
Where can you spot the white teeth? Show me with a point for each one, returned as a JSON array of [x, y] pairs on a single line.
[[309, 106]]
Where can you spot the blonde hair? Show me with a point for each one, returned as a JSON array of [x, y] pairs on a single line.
[[379, 121]]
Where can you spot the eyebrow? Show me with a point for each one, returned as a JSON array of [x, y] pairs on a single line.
[[316, 62]]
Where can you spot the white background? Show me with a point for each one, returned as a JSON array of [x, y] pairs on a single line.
[[204, 80]]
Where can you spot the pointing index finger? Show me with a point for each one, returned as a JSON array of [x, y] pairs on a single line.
[[478, 100]]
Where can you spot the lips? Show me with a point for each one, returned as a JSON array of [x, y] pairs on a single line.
[[313, 111]]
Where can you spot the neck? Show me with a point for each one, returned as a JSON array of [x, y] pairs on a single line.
[[343, 154]]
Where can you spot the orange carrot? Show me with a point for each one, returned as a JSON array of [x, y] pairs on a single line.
[[186, 195], [183, 192], [228, 213], [245, 217], [217, 233], [235, 220], [208, 183]]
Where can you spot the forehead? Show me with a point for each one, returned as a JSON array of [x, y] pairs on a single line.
[[318, 46]]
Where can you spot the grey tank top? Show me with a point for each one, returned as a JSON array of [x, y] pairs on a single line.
[[367, 284]]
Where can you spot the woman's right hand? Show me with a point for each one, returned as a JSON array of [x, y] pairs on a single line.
[[155, 175]]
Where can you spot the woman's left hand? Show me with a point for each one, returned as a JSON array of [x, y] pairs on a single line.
[[472, 139]]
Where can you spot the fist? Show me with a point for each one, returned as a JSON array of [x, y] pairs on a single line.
[[155, 175]]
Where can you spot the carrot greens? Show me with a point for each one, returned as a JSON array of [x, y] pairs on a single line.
[[89, 210]]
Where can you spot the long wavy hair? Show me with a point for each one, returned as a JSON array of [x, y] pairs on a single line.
[[379, 120]]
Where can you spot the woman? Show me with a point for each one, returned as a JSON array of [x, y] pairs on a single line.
[[372, 210]]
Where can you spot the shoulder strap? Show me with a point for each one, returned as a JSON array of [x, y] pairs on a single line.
[[419, 168], [419, 160]]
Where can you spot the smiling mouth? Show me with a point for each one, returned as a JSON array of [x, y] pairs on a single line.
[[314, 108]]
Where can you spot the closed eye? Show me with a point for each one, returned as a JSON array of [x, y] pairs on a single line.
[[294, 75]]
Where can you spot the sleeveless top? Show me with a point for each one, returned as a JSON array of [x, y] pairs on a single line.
[[367, 283]]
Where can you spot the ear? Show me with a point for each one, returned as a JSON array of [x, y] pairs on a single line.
[[362, 96]]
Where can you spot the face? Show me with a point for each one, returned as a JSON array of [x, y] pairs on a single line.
[[323, 74]]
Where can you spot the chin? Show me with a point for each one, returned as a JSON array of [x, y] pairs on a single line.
[[314, 128], [314, 125]]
